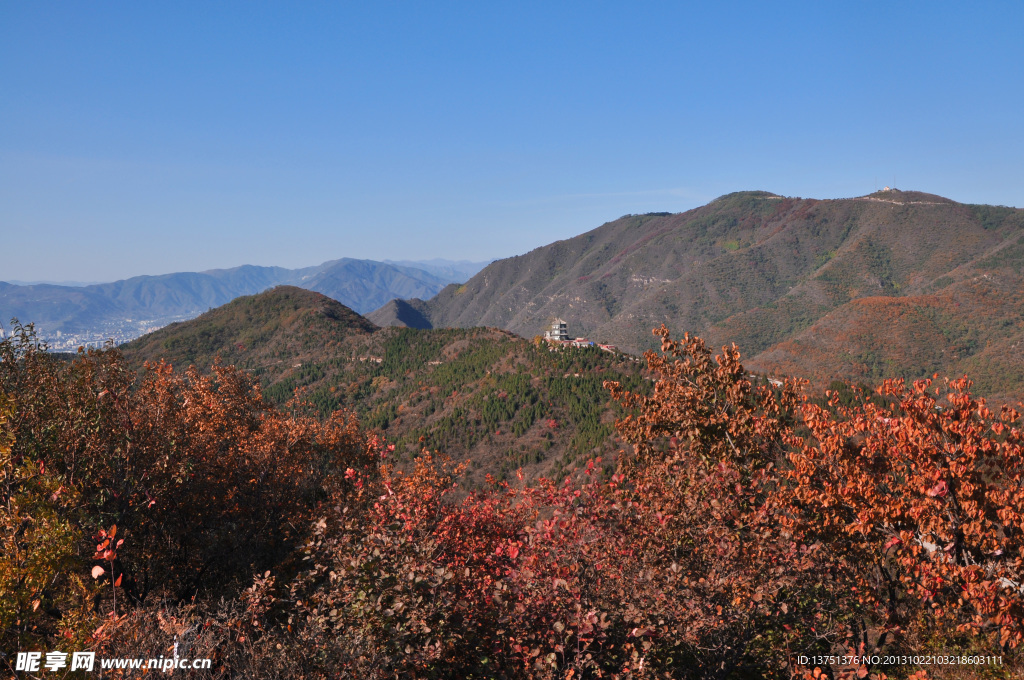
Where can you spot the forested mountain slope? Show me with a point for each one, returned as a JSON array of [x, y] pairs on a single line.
[[477, 394], [777, 276]]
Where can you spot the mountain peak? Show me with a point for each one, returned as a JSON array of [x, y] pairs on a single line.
[[405, 313], [246, 331], [901, 197], [279, 298], [747, 194]]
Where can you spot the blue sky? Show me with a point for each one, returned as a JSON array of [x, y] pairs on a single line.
[[155, 137]]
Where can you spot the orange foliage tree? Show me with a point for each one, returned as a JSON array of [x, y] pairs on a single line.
[[889, 525], [918, 503], [731, 587], [203, 480]]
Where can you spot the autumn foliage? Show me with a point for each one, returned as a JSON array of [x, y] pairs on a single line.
[[919, 504], [745, 526], [202, 481]]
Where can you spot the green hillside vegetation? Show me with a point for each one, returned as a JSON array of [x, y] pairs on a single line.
[[477, 394], [257, 329], [778, 276]]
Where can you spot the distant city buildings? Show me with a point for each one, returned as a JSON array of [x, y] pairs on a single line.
[[114, 332]]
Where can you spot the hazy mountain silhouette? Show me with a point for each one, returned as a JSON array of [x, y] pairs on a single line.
[[362, 285]]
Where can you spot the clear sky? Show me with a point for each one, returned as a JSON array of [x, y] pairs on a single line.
[[155, 137]]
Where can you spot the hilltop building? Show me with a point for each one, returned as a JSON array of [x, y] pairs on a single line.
[[558, 334], [559, 331]]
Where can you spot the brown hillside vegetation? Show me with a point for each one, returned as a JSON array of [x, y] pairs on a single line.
[[744, 529], [971, 327], [761, 270]]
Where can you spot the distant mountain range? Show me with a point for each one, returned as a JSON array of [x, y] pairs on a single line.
[[126, 309], [897, 283], [73, 284]]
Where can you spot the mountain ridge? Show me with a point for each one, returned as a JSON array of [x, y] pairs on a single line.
[[758, 269]]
